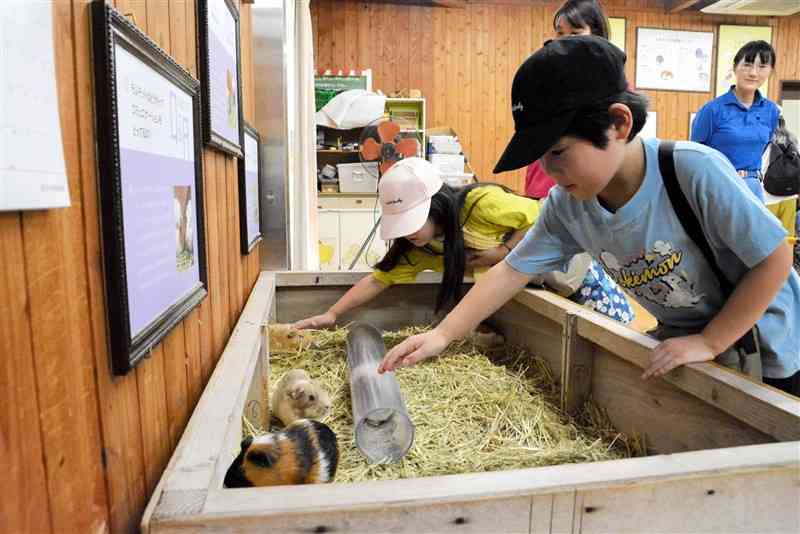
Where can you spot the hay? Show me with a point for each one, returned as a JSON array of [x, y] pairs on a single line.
[[470, 414]]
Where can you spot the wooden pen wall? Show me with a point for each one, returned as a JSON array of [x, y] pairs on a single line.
[[81, 450], [463, 59]]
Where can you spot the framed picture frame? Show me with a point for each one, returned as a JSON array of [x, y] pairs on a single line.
[[617, 28], [730, 38], [250, 190], [220, 72], [151, 187], [661, 60]]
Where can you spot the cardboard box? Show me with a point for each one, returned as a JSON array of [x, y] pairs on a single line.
[[358, 177], [448, 163]]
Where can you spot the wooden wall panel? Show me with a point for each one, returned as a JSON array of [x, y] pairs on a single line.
[[464, 60], [82, 448]]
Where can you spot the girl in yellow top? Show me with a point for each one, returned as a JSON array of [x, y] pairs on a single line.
[[436, 227]]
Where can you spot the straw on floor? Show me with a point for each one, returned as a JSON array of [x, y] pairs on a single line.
[[471, 413]]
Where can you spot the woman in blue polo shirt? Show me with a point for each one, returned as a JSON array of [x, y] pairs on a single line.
[[740, 123]]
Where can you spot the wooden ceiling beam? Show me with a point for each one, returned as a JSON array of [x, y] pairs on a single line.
[[679, 5]]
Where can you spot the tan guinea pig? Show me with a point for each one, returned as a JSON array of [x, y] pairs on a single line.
[[284, 338], [296, 397], [305, 452]]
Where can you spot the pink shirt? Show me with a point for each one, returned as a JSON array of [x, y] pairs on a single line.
[[537, 182]]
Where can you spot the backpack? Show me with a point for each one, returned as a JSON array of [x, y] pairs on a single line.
[[783, 172]]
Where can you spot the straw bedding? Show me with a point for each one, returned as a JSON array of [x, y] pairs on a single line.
[[472, 412]]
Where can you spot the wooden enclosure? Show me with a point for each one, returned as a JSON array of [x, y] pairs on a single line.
[[463, 59], [726, 451], [82, 450]]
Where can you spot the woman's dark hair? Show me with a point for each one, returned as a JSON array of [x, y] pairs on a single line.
[[445, 212], [580, 13], [592, 122], [753, 49]]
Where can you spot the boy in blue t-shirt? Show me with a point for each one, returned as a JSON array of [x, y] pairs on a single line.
[[573, 110]]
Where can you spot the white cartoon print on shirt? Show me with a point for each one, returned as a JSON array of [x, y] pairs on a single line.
[[655, 276]]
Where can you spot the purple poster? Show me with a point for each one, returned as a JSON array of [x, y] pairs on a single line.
[[223, 74], [159, 201], [251, 187]]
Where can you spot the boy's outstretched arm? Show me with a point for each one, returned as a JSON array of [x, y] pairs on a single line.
[[743, 309], [491, 291]]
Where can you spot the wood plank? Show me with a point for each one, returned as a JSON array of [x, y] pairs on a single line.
[[215, 323], [350, 9], [339, 44], [438, 111], [234, 247], [57, 293], [26, 507], [175, 381], [383, 495], [191, 37], [118, 399], [714, 504], [401, 30], [761, 407], [226, 313], [364, 38], [324, 57], [576, 367], [156, 444]]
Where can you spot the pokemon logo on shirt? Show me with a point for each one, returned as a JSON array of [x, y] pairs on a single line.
[[656, 276]]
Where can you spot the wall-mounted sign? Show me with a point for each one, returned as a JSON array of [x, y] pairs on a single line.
[[32, 170], [149, 151], [731, 39], [673, 60], [617, 31], [220, 67], [249, 190]]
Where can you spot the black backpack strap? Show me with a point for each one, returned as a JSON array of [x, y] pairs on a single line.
[[691, 225], [685, 213]]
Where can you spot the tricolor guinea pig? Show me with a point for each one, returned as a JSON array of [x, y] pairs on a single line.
[[297, 396], [305, 452]]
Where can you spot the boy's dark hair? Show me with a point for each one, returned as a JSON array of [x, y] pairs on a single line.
[[753, 49], [579, 13], [591, 123], [445, 211]]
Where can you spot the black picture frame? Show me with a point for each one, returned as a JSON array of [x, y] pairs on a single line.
[[213, 135], [249, 241], [113, 34]]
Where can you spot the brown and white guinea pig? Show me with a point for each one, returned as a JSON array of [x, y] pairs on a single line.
[[284, 338], [305, 452], [297, 396]]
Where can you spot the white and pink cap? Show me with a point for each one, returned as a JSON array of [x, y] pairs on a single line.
[[405, 193]]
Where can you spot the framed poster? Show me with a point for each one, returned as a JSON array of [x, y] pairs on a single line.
[[673, 60], [730, 39], [33, 174], [151, 187], [249, 190], [617, 31], [220, 68]]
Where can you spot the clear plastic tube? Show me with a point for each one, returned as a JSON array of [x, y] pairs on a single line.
[[384, 432]]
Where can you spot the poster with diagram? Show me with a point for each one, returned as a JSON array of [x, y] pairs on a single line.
[[33, 173], [148, 110], [731, 39], [221, 68], [673, 60]]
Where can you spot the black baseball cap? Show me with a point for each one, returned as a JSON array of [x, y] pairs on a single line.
[[551, 86]]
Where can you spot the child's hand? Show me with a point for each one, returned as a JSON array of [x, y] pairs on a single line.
[[413, 350], [678, 351], [318, 321]]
